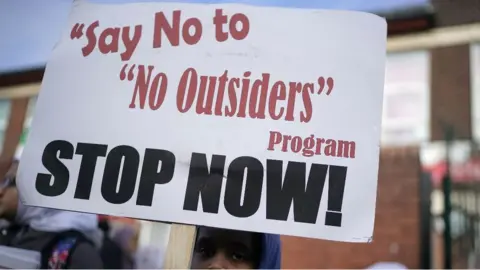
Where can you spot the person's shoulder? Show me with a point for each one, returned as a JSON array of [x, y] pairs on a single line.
[[85, 256]]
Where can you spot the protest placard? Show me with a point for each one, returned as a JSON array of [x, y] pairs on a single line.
[[233, 116]]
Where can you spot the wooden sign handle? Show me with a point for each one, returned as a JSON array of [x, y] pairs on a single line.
[[180, 246]]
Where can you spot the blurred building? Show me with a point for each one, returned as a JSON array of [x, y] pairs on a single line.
[[432, 82], [432, 79]]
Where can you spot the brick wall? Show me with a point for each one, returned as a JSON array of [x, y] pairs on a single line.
[[456, 12], [397, 224], [450, 91]]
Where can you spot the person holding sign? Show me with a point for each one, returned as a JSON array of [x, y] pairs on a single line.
[[229, 249], [66, 240]]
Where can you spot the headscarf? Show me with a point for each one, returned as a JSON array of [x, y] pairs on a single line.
[[271, 252]]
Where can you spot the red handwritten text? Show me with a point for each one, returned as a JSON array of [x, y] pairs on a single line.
[[191, 29], [156, 87], [311, 146], [176, 30], [108, 39], [228, 96], [172, 31], [219, 20]]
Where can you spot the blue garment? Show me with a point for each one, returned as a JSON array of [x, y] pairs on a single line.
[[271, 252]]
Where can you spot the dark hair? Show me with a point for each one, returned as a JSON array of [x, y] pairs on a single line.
[[257, 249]]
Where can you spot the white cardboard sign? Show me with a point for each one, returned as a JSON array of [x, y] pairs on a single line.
[[234, 116]]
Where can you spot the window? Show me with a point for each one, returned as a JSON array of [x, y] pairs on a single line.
[[475, 88], [406, 103]]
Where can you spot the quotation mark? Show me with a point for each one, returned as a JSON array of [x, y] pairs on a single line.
[[77, 31], [321, 82], [130, 74]]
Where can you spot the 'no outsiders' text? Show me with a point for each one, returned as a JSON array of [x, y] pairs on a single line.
[[221, 95]]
